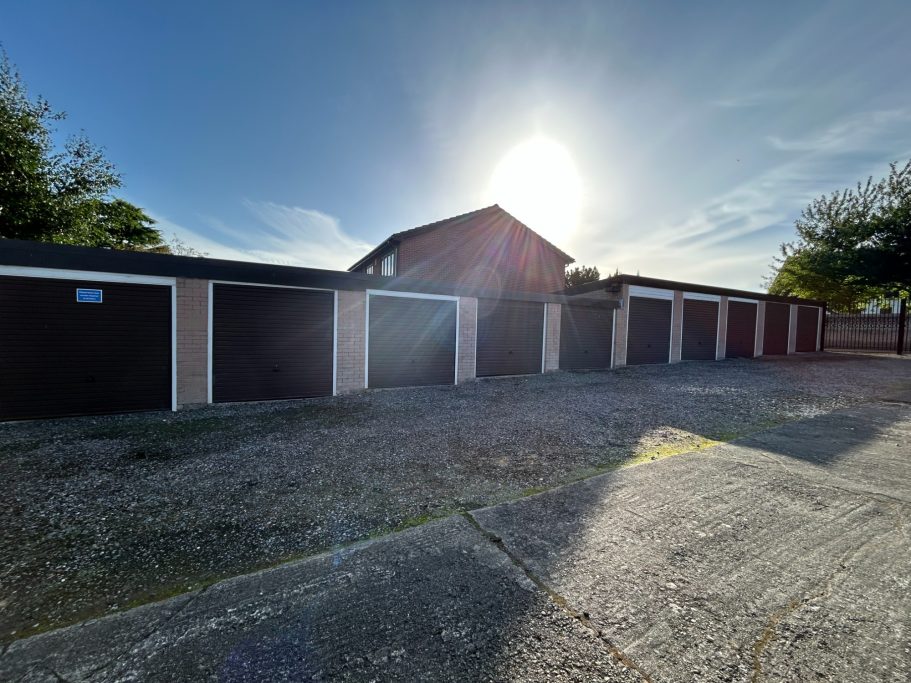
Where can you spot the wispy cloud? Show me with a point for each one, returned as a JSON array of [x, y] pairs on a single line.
[[732, 237], [855, 133], [280, 234], [755, 98]]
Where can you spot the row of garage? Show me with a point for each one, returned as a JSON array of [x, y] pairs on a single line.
[[650, 323], [72, 345], [411, 340], [75, 346]]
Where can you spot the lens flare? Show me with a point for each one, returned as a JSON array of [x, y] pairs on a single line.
[[538, 183]]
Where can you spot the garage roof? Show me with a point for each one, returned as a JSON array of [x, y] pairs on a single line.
[[616, 281], [22, 253]]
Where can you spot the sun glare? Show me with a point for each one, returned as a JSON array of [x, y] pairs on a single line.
[[538, 183]]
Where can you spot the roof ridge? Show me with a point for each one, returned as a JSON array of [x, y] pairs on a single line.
[[445, 220], [569, 259]]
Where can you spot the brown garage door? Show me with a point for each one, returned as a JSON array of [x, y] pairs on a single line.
[[807, 328], [741, 331], [510, 337], [270, 343], [62, 357], [649, 331], [775, 333], [700, 329], [412, 341], [585, 337]]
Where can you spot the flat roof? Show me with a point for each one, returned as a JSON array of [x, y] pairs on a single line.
[[26, 254], [615, 281]]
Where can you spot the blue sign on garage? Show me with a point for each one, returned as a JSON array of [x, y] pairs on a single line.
[[88, 296]]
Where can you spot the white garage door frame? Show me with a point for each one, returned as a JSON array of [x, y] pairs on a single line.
[[408, 295]]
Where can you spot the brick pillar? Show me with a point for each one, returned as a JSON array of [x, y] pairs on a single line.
[[677, 328], [552, 340], [620, 326], [468, 335], [721, 351], [792, 330], [351, 341], [192, 342], [760, 328]]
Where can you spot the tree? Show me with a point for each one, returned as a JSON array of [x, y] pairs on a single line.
[[795, 277], [851, 245], [57, 195], [177, 247], [580, 275]]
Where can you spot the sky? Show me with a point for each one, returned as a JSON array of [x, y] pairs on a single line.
[[683, 139]]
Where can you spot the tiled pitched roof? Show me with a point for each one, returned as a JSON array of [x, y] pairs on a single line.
[[447, 222]]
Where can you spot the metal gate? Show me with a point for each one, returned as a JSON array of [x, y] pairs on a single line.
[[886, 332]]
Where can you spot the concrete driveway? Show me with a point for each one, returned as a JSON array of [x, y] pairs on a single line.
[[782, 556]]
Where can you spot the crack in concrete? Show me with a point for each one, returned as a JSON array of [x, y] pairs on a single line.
[[824, 590], [768, 635], [57, 676], [142, 639], [899, 520], [558, 599], [863, 493]]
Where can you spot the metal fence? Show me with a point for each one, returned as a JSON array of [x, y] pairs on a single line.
[[887, 332]]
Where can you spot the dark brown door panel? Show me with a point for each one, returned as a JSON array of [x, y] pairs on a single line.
[[741, 330], [62, 357], [776, 329], [585, 337], [510, 337], [411, 341], [649, 331], [700, 330], [807, 328], [271, 343]]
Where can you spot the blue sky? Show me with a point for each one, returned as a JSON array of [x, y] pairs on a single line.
[[305, 133]]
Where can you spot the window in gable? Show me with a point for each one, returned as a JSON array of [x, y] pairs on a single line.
[[369, 270], [387, 265]]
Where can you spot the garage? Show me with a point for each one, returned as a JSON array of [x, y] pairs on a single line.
[[741, 329], [510, 337], [271, 342], [649, 326], [84, 347], [700, 327], [586, 337], [411, 340], [807, 328], [777, 329]]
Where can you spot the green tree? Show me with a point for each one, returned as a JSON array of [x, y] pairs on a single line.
[[580, 275], [852, 245], [61, 195], [793, 276]]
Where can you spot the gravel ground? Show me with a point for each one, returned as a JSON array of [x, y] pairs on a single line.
[[101, 514]]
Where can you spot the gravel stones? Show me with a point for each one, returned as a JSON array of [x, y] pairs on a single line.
[[103, 513]]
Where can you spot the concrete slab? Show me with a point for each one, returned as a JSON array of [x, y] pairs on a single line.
[[782, 557], [436, 603], [864, 449]]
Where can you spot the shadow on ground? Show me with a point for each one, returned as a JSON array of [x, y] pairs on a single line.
[[110, 512]]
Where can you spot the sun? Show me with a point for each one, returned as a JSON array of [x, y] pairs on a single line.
[[538, 183]]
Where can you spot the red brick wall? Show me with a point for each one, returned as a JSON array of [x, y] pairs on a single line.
[[495, 252]]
